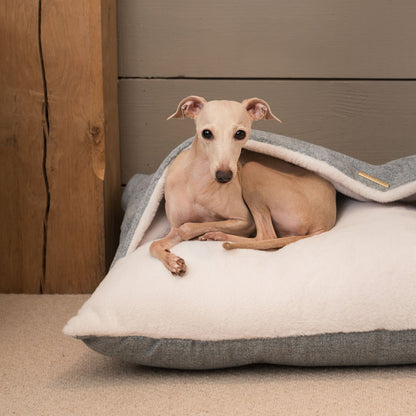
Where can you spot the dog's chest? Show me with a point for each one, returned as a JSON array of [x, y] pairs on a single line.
[[195, 211], [195, 203]]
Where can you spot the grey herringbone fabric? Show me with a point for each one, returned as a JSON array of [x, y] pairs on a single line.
[[379, 347]]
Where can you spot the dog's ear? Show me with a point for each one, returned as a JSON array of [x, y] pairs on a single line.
[[258, 109], [190, 107]]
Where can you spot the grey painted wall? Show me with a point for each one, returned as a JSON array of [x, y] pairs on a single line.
[[338, 73]]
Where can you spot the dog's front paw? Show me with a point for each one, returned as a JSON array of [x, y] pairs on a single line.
[[214, 236], [175, 264]]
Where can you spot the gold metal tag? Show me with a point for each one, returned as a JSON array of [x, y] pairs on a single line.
[[372, 178]]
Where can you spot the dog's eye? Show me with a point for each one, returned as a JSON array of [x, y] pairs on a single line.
[[207, 134], [240, 135]]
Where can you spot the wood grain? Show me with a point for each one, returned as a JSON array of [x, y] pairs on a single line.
[[22, 187], [77, 144], [112, 180], [267, 38], [370, 120], [59, 145]]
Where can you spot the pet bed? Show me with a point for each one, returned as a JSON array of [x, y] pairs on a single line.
[[345, 297]]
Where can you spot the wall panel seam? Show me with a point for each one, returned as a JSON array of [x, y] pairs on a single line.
[[271, 79]]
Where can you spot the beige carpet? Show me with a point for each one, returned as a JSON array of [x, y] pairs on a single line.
[[43, 372]]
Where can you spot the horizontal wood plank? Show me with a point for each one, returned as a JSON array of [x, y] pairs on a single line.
[[370, 120], [267, 38]]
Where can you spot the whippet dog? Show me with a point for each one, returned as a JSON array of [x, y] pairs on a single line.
[[215, 190]]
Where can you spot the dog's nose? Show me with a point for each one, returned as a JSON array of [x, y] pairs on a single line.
[[223, 176]]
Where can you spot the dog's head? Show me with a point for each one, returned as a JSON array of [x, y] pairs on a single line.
[[222, 129]]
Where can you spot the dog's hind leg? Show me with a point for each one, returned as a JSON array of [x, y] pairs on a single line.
[[271, 244]]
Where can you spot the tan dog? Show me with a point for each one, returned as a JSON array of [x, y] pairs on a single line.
[[214, 191]]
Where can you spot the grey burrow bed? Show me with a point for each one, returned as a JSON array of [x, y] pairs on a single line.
[[345, 297]]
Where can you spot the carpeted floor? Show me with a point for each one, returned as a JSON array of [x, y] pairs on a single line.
[[44, 373]]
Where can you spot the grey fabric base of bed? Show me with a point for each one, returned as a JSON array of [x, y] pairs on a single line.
[[379, 347]]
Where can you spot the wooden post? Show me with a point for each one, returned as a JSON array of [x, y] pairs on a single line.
[[22, 186], [79, 189]]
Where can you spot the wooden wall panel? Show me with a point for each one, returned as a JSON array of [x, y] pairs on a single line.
[[22, 187], [59, 144], [112, 180], [267, 38], [371, 120], [79, 141]]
